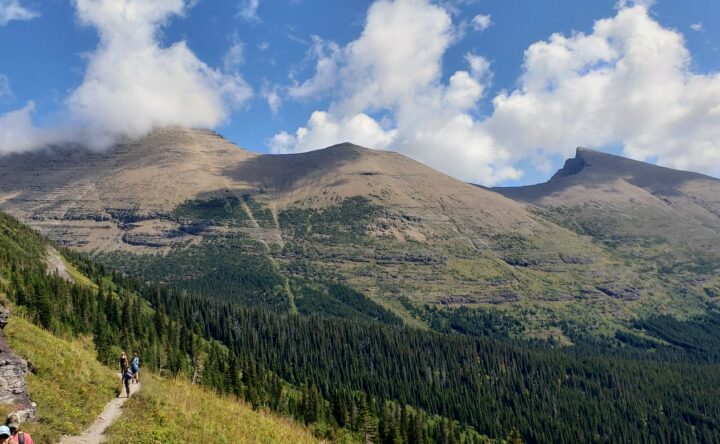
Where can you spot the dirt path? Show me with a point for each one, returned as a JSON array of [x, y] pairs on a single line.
[[96, 432]]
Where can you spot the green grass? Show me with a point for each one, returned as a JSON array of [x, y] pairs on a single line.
[[172, 411], [76, 275], [69, 386]]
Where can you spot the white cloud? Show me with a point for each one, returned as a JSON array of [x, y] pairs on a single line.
[[18, 133], [235, 56], [15, 127], [324, 129], [5, 89], [12, 10], [697, 27], [248, 10], [327, 55], [622, 4], [272, 96], [394, 69], [628, 83], [481, 22], [132, 84]]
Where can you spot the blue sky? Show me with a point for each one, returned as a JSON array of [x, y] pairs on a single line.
[[469, 107]]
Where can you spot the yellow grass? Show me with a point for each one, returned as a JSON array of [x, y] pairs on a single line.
[[76, 275], [68, 384], [174, 411]]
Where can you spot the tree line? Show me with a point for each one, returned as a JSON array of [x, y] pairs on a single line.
[[120, 319], [382, 383]]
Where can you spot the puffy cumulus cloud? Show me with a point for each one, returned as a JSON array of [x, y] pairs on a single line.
[[481, 22], [394, 70], [132, 84], [397, 57], [17, 131], [628, 82], [12, 10], [324, 129]]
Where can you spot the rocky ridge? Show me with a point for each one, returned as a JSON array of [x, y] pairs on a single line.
[[13, 370]]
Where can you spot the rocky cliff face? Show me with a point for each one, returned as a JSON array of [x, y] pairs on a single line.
[[13, 370]]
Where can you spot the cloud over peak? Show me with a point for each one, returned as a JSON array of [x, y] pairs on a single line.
[[628, 82], [390, 93], [132, 83]]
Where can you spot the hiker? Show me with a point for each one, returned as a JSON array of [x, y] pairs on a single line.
[[136, 368], [4, 435], [16, 436], [126, 377], [123, 363]]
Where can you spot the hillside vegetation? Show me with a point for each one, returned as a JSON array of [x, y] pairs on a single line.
[[362, 379], [67, 382], [191, 210], [174, 411], [114, 311]]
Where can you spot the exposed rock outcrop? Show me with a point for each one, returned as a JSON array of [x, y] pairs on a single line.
[[13, 370]]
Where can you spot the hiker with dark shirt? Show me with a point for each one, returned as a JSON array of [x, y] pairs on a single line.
[[16, 436], [135, 367], [123, 363], [126, 377]]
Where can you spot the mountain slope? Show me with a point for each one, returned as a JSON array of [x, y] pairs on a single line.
[[382, 223], [123, 313], [667, 219], [67, 383], [176, 411], [283, 230], [354, 378]]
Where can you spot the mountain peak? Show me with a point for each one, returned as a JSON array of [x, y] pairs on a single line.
[[593, 165], [591, 168], [573, 165]]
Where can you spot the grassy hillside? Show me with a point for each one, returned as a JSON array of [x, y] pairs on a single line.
[[121, 312], [71, 389], [172, 411], [383, 381], [68, 384]]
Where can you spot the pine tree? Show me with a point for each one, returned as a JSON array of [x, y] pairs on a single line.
[[514, 437]]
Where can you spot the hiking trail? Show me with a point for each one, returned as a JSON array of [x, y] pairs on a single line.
[[96, 432]]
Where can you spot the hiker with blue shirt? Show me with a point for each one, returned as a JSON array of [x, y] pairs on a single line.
[[135, 366]]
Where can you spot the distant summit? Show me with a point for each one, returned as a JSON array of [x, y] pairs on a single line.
[[591, 168], [666, 219]]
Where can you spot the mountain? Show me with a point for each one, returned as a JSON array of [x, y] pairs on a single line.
[[84, 198], [666, 219], [346, 380], [345, 231]]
